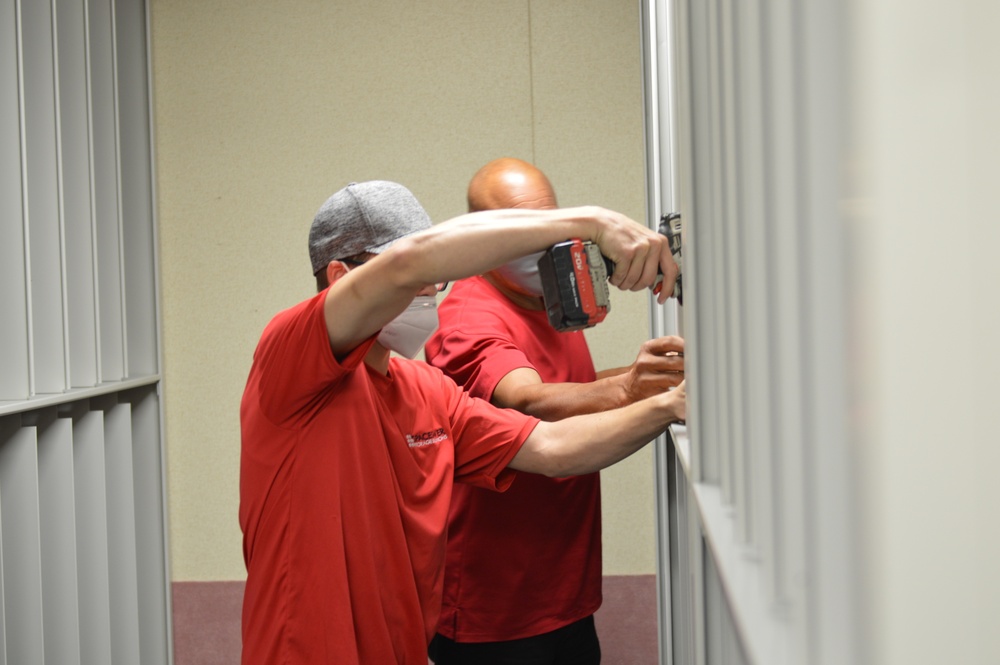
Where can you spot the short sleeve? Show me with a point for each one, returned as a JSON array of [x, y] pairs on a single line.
[[486, 439], [478, 362], [293, 362], [476, 343]]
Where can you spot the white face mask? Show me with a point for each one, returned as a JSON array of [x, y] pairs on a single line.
[[523, 273], [407, 333]]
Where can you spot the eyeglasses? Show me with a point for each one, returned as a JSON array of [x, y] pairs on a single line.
[[355, 263]]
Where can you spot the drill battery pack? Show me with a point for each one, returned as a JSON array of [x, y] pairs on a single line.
[[574, 277], [575, 274]]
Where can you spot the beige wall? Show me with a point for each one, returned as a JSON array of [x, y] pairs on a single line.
[[924, 238], [263, 108]]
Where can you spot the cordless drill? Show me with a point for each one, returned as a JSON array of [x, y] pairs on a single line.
[[575, 274]]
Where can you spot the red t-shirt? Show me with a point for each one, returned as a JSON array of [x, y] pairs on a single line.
[[345, 480], [528, 561]]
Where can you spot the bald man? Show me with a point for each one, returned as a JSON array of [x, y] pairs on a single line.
[[523, 570], [510, 183]]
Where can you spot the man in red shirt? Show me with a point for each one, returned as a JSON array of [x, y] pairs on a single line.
[[349, 456], [523, 568]]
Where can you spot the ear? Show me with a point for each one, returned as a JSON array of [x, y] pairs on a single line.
[[334, 271]]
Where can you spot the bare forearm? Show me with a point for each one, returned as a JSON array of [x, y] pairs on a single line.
[[588, 443], [658, 368], [555, 401], [475, 243]]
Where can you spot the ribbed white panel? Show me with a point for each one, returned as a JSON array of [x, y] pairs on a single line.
[[83, 552], [754, 479]]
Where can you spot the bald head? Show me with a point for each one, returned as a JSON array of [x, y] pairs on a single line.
[[510, 183]]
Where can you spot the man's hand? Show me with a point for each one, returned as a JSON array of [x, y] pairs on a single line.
[[639, 254], [658, 367]]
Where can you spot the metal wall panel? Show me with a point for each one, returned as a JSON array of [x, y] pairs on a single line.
[[83, 546], [757, 502]]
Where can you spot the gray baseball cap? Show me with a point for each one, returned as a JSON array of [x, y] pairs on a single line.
[[364, 217]]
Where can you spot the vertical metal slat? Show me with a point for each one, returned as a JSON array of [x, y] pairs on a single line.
[[14, 346], [151, 529], [40, 169], [735, 305], [61, 605], [92, 537], [123, 580], [107, 206], [22, 570], [75, 181]]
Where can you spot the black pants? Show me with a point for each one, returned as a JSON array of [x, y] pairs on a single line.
[[575, 644]]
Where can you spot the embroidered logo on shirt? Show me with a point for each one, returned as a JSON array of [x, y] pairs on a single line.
[[426, 438]]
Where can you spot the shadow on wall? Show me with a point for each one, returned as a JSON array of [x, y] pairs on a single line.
[[207, 621]]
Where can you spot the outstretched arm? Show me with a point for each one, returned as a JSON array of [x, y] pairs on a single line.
[[361, 301], [589, 443], [658, 367]]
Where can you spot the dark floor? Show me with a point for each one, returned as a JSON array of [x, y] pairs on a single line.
[[207, 621]]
